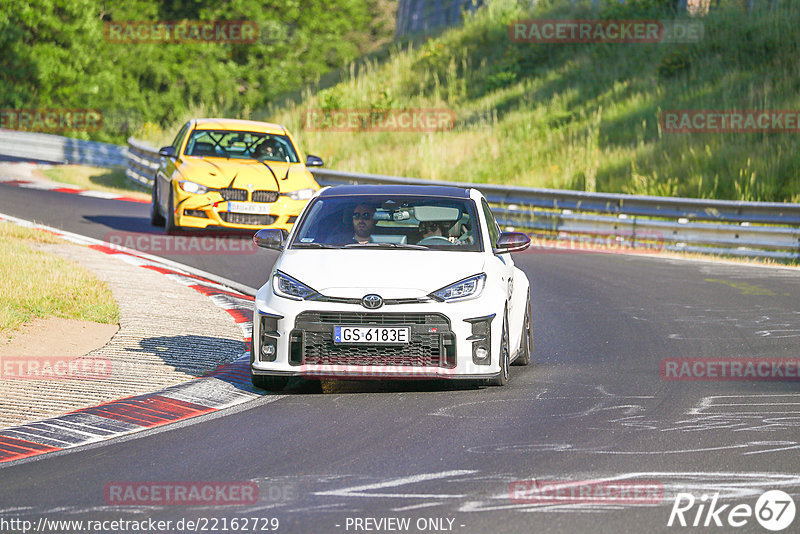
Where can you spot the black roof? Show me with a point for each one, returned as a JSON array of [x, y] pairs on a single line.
[[425, 190]]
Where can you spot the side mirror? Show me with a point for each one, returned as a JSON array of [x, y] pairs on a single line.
[[167, 152], [314, 161], [512, 242], [270, 238]]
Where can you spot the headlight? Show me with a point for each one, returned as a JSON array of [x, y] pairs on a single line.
[[463, 289], [284, 285], [300, 194], [191, 187]]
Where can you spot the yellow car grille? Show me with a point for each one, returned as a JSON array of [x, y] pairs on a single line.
[[240, 195], [229, 193], [265, 196]]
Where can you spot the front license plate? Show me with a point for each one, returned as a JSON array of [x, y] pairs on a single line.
[[253, 208], [371, 335]]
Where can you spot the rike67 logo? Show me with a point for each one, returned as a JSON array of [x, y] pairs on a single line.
[[774, 510]]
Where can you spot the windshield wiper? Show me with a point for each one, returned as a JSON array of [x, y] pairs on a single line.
[[389, 245], [314, 245]]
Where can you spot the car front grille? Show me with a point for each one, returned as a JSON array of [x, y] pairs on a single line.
[[247, 218], [229, 193], [432, 344], [265, 196], [363, 318], [240, 195]]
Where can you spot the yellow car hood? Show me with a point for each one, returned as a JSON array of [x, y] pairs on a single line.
[[217, 173]]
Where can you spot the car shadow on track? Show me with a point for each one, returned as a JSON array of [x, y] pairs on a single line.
[[126, 223], [223, 359], [196, 355], [330, 386]]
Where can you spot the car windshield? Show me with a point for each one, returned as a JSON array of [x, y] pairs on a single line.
[[241, 145], [391, 222]]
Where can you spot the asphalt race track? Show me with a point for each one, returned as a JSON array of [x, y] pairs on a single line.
[[592, 406]]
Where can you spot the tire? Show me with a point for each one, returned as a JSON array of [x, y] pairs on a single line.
[[170, 225], [156, 219], [526, 345], [502, 378], [270, 383]]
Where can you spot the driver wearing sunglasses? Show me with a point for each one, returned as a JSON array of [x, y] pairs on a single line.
[[363, 223]]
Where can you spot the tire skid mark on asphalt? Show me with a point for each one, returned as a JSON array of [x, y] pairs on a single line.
[[598, 398], [227, 385], [470, 491], [368, 490], [754, 321], [477, 492], [773, 418], [730, 485], [416, 506]]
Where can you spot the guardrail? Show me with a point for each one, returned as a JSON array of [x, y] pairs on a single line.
[[584, 220], [142, 162], [50, 148], [580, 220]]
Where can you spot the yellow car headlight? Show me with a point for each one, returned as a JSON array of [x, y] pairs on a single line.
[[192, 187], [301, 194]]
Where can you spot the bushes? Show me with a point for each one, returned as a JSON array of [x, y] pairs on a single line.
[[55, 56]]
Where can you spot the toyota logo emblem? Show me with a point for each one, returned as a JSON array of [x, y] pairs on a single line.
[[372, 302]]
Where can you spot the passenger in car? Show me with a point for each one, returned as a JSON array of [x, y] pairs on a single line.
[[434, 228]]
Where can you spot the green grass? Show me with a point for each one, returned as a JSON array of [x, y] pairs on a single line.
[[35, 284], [111, 180], [575, 116]]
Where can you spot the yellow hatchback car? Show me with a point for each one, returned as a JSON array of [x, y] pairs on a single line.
[[231, 173]]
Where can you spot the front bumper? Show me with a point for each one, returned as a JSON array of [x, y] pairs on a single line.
[[442, 339], [211, 210], [352, 372]]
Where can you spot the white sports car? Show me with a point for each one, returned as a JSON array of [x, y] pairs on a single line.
[[392, 282]]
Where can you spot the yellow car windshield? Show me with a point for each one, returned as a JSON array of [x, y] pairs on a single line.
[[241, 145]]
